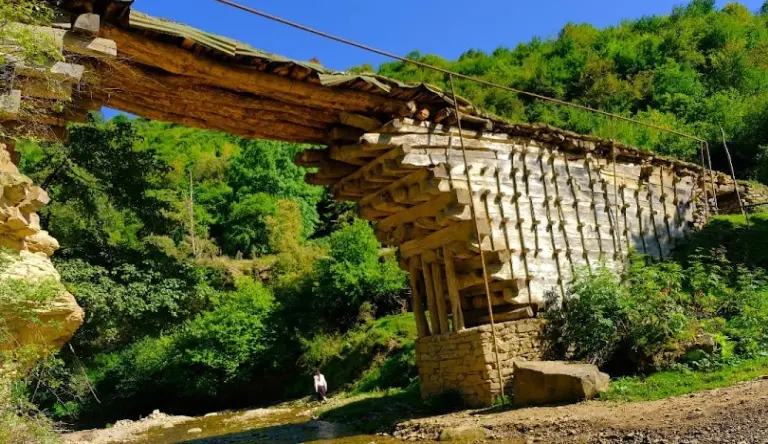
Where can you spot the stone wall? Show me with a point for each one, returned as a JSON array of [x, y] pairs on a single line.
[[465, 361]]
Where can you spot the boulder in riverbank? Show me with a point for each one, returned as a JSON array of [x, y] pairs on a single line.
[[555, 382]]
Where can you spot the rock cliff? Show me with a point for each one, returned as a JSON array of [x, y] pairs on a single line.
[[36, 313]]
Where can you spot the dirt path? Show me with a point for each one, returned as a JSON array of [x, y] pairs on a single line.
[[729, 415]]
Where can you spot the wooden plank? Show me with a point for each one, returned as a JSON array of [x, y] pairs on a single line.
[[453, 289], [437, 275], [429, 283], [417, 301]]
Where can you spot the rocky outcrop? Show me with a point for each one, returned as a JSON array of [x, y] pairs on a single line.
[[554, 382], [35, 309]]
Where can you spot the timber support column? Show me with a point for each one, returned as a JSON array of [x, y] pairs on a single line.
[[418, 303]]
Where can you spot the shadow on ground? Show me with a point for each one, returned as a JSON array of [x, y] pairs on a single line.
[[310, 431], [378, 414]]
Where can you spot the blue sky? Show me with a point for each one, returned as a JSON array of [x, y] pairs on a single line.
[[446, 28]]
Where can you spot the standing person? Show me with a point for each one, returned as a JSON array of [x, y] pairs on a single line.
[[321, 386]]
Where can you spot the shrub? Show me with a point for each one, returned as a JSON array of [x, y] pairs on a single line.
[[659, 314]]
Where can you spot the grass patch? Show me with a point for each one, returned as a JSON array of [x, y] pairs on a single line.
[[682, 382]]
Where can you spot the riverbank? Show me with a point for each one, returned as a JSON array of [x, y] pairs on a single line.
[[725, 415], [738, 413]]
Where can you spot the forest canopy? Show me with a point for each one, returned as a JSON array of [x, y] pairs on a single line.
[[695, 70]]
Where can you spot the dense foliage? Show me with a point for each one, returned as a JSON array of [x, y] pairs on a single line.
[[700, 311], [694, 70], [146, 213]]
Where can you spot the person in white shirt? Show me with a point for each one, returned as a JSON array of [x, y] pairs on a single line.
[[321, 386]]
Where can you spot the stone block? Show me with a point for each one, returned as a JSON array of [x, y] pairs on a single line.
[[550, 382]]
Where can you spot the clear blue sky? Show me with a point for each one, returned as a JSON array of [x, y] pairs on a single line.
[[446, 28]]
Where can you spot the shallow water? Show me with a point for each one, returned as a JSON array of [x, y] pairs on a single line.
[[258, 427]]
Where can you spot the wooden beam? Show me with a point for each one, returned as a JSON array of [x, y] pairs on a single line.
[[311, 158], [367, 124], [514, 315], [32, 130], [431, 299], [453, 289], [442, 315], [417, 301], [462, 231], [125, 78], [187, 113], [344, 134], [179, 61], [428, 209]]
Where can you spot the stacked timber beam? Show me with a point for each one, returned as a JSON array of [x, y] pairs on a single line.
[[39, 99], [545, 206]]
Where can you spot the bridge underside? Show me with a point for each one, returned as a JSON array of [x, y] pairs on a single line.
[[547, 201]]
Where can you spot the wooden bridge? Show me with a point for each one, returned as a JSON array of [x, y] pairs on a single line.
[[546, 201]]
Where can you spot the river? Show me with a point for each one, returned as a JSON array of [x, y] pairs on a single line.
[[276, 425]]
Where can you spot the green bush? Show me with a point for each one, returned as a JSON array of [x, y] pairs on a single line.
[[659, 314]]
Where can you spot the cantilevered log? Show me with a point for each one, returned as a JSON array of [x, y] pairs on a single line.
[[239, 78], [364, 123], [514, 315], [190, 114], [199, 105], [311, 158], [433, 208], [126, 78], [461, 232]]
